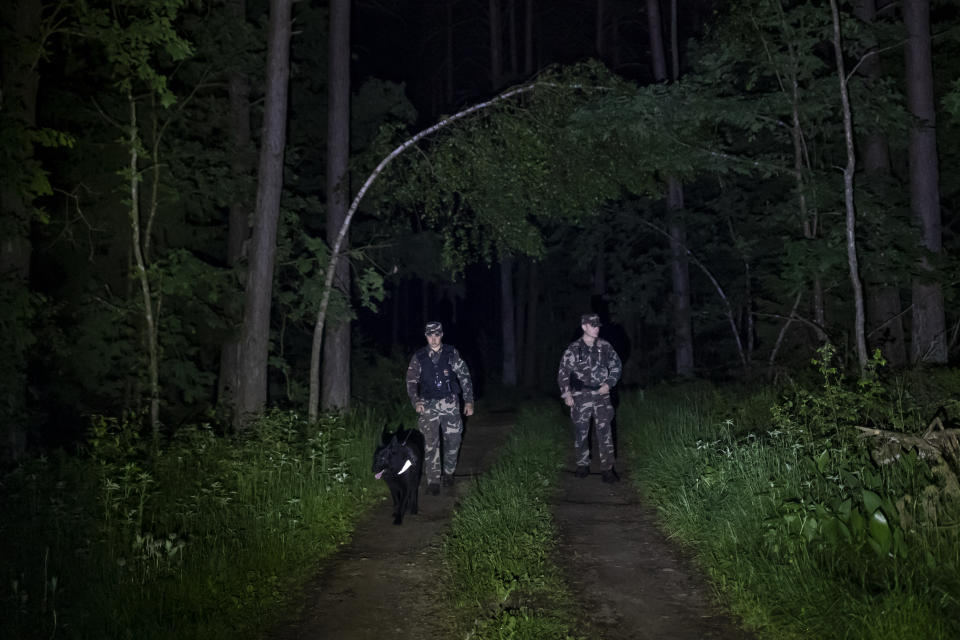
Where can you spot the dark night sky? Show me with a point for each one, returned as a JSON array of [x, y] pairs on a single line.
[[405, 42]]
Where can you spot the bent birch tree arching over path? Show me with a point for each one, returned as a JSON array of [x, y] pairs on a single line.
[[314, 401]]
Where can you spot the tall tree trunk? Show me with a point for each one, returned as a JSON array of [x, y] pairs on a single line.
[[496, 45], [138, 241], [512, 32], [19, 54], [657, 50], [884, 311], [507, 320], [680, 277], [848, 195], [530, 377], [599, 43], [928, 335], [449, 51], [521, 331], [238, 225], [336, 352], [679, 265], [674, 40], [528, 40], [255, 335]]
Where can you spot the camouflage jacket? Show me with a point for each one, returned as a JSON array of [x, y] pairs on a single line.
[[593, 366], [459, 367]]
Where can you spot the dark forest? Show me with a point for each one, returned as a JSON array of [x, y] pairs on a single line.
[[225, 224]]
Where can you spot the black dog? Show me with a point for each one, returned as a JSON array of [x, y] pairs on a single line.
[[399, 463]]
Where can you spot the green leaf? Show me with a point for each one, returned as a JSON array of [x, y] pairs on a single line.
[[871, 501], [880, 533], [823, 460], [843, 509], [857, 523]]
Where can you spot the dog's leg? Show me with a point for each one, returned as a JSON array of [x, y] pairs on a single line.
[[413, 490], [396, 492], [404, 503]]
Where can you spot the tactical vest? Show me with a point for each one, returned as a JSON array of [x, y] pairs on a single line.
[[600, 372], [437, 380]]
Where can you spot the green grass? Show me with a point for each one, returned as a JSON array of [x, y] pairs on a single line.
[[498, 552], [801, 533], [207, 539]]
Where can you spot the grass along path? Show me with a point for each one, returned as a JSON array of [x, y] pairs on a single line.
[[759, 497]]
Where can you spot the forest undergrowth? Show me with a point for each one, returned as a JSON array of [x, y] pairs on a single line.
[[204, 539], [818, 511], [809, 519]]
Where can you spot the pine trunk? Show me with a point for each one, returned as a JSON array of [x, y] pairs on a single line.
[[884, 310], [928, 335], [336, 352], [496, 45], [255, 334]]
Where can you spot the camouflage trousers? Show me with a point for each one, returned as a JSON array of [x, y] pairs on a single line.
[[587, 405], [442, 431]]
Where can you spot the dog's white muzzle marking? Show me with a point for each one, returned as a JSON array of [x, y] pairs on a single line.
[[406, 465]]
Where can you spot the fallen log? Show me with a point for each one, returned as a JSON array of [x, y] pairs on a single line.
[[937, 443]]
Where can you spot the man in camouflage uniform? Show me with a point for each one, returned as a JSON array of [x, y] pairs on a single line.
[[589, 368], [435, 376]]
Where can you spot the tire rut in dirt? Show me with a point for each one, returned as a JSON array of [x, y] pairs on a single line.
[[631, 582]]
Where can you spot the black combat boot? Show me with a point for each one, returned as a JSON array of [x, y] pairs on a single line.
[[610, 475]]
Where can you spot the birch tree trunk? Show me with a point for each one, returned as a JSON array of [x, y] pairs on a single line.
[[344, 229], [138, 241], [848, 195], [928, 334], [336, 354], [255, 335]]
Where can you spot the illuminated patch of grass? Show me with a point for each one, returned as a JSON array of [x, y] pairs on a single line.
[[802, 534], [498, 552]]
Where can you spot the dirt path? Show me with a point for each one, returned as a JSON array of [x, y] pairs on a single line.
[[384, 583], [632, 583]]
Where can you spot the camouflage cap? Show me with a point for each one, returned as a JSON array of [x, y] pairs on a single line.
[[591, 319], [433, 327]]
